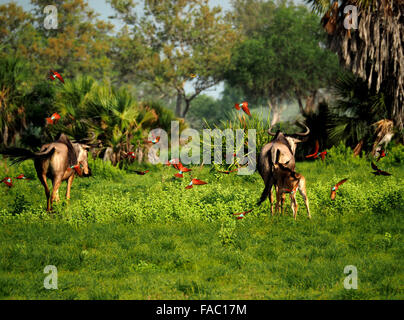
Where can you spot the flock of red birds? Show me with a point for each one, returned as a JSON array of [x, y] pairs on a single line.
[[53, 75]]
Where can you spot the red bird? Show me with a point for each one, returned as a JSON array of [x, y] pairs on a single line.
[[382, 155], [53, 75], [173, 162], [53, 119], [296, 187], [195, 182], [7, 181], [142, 173], [227, 172], [76, 168], [243, 106], [242, 215], [181, 169], [154, 140], [335, 188], [22, 177], [131, 154], [379, 172], [316, 154]]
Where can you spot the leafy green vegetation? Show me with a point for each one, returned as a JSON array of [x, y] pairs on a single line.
[[124, 236]]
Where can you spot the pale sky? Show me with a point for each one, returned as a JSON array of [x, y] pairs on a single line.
[[105, 10]]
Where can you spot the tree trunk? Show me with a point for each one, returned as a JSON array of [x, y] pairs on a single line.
[[178, 106], [301, 108], [311, 103], [187, 105], [275, 110]]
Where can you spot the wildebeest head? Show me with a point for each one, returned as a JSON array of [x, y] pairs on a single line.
[[292, 139], [82, 157]]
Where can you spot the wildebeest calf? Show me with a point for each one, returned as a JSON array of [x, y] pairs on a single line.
[[289, 181]]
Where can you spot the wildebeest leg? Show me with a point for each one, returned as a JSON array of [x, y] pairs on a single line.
[[302, 190], [69, 185], [56, 184], [293, 204], [271, 200], [42, 178], [283, 196], [41, 169]]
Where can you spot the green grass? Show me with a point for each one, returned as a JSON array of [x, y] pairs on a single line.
[[124, 236]]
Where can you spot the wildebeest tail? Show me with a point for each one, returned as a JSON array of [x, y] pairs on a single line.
[[265, 193], [19, 155]]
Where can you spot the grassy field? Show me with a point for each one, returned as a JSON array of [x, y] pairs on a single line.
[[124, 236]]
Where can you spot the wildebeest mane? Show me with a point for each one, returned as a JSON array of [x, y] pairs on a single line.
[[281, 138], [71, 154]]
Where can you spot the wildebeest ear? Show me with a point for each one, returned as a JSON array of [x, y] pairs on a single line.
[[84, 146]]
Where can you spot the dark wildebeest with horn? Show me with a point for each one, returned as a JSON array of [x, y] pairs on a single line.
[[59, 161], [280, 150]]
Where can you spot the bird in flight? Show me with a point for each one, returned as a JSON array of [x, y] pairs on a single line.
[[53, 118], [316, 153], [335, 188], [8, 181], [242, 215], [196, 182], [379, 172], [181, 169], [22, 177], [53, 75], [243, 106], [142, 173]]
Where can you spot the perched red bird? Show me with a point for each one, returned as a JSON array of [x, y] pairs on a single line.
[[381, 155], [195, 182], [244, 106], [379, 172], [131, 155], [76, 168], [154, 140], [53, 75], [181, 169], [22, 177], [316, 154], [242, 215], [335, 188], [142, 173], [53, 119], [7, 181]]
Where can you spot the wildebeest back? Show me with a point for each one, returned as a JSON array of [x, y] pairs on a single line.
[[71, 154]]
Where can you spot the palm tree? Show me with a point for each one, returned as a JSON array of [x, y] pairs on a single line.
[[374, 52], [356, 108], [14, 75]]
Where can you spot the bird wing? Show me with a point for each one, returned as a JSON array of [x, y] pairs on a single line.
[[374, 167], [341, 182], [384, 173], [245, 108], [198, 182]]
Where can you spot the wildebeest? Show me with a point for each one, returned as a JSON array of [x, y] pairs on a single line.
[[289, 181], [58, 161], [280, 150]]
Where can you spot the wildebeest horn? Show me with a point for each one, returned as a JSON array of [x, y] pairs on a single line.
[[303, 134], [271, 133]]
